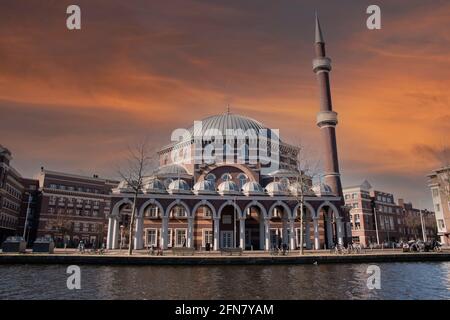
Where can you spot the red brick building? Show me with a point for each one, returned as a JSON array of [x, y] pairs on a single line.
[[11, 191], [377, 219], [73, 207]]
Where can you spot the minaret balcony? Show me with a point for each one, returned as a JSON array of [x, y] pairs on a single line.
[[322, 63], [327, 118]]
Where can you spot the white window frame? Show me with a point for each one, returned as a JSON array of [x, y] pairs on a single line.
[[176, 237], [169, 236], [152, 206], [203, 237], [147, 230]]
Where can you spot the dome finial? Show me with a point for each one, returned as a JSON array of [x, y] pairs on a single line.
[[228, 108]]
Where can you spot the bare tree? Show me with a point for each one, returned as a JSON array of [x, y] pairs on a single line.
[[139, 162], [444, 173], [63, 226], [307, 170]]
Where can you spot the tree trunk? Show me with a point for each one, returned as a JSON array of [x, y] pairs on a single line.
[[133, 210]]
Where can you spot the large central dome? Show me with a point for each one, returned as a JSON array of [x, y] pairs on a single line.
[[226, 121]]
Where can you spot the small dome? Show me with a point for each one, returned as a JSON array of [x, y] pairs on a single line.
[[275, 189], [295, 189], [228, 187], [154, 186], [171, 170], [252, 188], [322, 189], [179, 186], [123, 187], [204, 187]]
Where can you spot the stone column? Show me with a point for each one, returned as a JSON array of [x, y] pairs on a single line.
[[190, 233], [329, 231], [267, 234], [216, 233], [292, 234], [339, 230], [138, 234], [116, 234], [316, 234], [284, 231], [242, 233], [308, 233], [165, 232], [109, 238]]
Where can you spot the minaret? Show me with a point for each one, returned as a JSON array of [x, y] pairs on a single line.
[[326, 118]]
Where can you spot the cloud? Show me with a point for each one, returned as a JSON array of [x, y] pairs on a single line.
[[72, 100]]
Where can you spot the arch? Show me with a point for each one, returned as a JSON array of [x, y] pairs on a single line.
[[281, 204], [249, 173], [204, 203], [177, 202], [228, 203], [332, 207], [307, 205], [116, 209], [147, 203], [211, 177], [254, 203]]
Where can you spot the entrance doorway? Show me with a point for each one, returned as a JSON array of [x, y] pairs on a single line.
[[226, 239]]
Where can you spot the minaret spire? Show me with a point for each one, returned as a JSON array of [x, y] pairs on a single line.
[[319, 35], [326, 118]]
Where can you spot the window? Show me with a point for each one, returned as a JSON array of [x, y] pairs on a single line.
[[152, 236], [167, 182], [210, 177], [242, 180], [435, 192], [207, 237], [169, 236], [179, 212], [441, 224], [347, 196], [180, 237], [205, 211], [438, 207], [152, 211], [357, 222], [226, 177], [354, 196]]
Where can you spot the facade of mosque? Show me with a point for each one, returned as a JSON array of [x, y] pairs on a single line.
[[231, 182]]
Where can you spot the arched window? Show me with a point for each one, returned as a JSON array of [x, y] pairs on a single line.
[[284, 182], [205, 211], [167, 182], [226, 177], [179, 211], [242, 179], [152, 211], [211, 177]]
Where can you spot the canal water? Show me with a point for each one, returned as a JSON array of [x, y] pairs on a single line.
[[332, 281]]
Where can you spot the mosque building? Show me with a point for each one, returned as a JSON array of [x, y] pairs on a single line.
[[216, 190]]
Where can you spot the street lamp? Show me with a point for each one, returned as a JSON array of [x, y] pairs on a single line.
[[376, 224], [25, 227]]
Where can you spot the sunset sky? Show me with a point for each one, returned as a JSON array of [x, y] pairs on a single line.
[[73, 100]]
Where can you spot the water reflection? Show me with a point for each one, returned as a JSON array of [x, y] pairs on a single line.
[[342, 281]]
